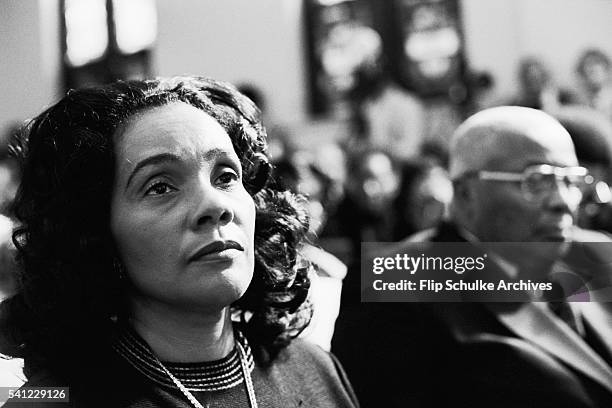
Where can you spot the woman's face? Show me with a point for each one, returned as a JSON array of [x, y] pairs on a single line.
[[180, 216]]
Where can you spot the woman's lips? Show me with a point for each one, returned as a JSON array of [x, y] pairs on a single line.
[[218, 250]]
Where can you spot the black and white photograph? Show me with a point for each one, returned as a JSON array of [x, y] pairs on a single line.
[[306, 203]]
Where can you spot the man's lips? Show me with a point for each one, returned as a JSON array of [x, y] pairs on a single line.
[[554, 233], [215, 248], [557, 227]]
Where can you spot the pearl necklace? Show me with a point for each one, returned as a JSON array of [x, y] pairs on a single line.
[[245, 372]]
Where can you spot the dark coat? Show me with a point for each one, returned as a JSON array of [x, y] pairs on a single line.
[[476, 354]]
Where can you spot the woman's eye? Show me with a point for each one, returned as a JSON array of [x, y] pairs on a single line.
[[159, 188], [227, 177]]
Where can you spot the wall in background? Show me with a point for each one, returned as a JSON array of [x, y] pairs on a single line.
[[500, 32], [239, 41], [29, 58]]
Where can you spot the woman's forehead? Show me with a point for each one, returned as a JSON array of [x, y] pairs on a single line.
[[178, 128]]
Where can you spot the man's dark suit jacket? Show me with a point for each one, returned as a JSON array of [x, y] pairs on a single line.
[[475, 354]]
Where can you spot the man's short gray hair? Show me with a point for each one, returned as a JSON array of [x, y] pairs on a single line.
[[491, 133]]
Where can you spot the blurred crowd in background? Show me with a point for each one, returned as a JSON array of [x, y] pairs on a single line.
[[371, 187], [386, 181]]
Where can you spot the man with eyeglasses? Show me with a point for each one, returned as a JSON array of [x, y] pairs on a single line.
[[516, 179]]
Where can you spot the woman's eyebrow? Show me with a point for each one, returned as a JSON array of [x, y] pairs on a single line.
[[219, 153], [215, 153], [150, 161]]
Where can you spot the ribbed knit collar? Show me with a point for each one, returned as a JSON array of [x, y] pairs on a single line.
[[215, 375]]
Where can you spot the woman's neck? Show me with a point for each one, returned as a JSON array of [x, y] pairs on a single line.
[[181, 337]]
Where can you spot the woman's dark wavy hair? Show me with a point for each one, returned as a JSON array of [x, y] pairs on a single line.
[[70, 291]]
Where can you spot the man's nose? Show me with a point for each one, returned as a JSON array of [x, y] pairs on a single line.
[[563, 197]]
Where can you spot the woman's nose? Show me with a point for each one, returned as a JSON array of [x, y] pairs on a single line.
[[211, 205]]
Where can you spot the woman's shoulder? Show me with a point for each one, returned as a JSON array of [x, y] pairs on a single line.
[[305, 351], [315, 371]]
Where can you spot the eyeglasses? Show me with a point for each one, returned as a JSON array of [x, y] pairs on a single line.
[[541, 180]]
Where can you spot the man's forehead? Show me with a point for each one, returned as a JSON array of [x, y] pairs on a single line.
[[510, 138]]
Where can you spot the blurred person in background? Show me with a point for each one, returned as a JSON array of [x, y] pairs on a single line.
[[9, 180], [423, 198], [386, 116], [8, 267], [366, 214], [11, 370], [9, 172], [300, 175], [435, 153], [154, 262], [537, 88], [591, 132], [595, 74]]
